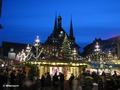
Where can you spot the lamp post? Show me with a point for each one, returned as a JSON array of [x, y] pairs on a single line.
[[39, 50], [74, 53], [23, 55], [36, 45], [11, 55], [110, 61], [109, 56], [28, 49], [97, 51]]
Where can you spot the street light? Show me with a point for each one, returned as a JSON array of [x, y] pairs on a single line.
[[22, 55], [38, 50], [74, 53], [11, 55], [97, 51], [28, 50], [109, 57], [36, 45]]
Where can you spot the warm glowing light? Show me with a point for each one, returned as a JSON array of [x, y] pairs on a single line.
[[81, 64], [39, 63], [77, 64], [44, 62], [53, 63], [84, 64], [73, 64]]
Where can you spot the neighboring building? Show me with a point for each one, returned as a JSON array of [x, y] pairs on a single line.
[[6, 46], [109, 49], [54, 42]]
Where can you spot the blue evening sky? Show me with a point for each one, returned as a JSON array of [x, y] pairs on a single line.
[[23, 20]]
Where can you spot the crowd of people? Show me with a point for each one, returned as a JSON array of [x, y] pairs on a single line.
[[57, 81], [86, 81], [20, 80], [17, 79]]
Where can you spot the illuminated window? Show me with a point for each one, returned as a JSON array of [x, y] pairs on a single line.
[[71, 42], [54, 41], [54, 50]]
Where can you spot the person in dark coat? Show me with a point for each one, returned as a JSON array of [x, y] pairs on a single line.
[[12, 79], [55, 82], [48, 82], [71, 81], [61, 81], [110, 83], [88, 82], [2, 80], [100, 84], [95, 77], [115, 74], [102, 81], [20, 78], [42, 82], [81, 82]]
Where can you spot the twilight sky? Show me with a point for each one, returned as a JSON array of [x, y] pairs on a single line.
[[23, 20]]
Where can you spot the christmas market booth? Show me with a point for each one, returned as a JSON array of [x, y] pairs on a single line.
[[53, 64]]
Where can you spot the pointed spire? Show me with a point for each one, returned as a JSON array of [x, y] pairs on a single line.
[[59, 21], [55, 27], [55, 24], [71, 29]]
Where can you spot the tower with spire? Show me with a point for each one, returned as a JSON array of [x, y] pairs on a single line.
[[53, 44]]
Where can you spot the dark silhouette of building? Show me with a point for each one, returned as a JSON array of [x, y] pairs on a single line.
[[6, 46], [53, 43]]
